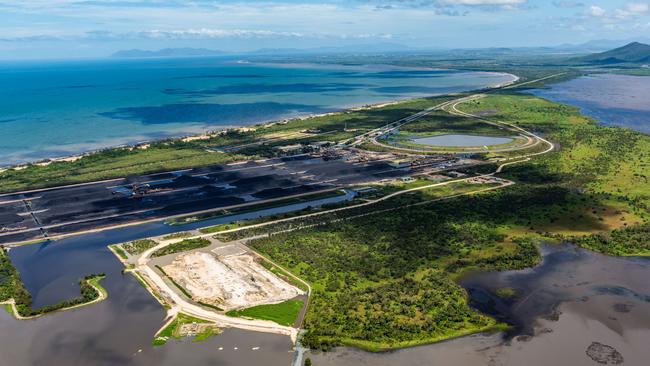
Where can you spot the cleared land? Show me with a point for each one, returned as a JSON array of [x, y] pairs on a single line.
[[230, 282]]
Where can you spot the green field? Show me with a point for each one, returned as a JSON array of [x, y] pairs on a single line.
[[173, 330], [136, 247], [182, 246], [284, 313], [441, 122], [120, 252]]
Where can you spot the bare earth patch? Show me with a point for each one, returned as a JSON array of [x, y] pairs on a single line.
[[604, 354], [230, 281]]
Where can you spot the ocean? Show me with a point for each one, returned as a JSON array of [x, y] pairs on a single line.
[[61, 108]]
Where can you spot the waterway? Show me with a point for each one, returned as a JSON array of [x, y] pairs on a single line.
[[119, 330], [615, 100]]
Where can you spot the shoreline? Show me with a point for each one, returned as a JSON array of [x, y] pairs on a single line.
[[208, 133]]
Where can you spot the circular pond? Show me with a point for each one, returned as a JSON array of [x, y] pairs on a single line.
[[462, 140]]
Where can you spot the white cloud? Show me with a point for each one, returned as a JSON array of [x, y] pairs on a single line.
[[486, 2], [596, 11], [631, 10], [637, 8], [203, 33]]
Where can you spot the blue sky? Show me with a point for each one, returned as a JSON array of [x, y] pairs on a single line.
[[92, 28]]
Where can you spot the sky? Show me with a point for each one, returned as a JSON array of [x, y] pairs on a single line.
[[97, 28]]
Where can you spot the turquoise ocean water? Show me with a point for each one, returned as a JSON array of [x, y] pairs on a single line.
[[61, 108]]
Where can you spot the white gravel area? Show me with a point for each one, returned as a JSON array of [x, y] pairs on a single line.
[[230, 282]]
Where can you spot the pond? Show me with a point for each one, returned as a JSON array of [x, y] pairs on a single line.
[[461, 140]]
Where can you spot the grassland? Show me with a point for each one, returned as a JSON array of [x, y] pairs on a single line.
[[285, 276], [136, 247], [120, 252], [174, 330], [284, 313], [440, 122], [182, 246]]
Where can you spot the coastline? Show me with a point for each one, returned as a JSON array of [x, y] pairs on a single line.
[[208, 133]]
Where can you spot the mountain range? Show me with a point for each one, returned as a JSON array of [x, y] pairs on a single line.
[[634, 52]]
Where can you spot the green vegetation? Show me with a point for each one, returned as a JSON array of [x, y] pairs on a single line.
[[205, 334], [183, 246], [412, 198], [383, 276], [10, 284], [632, 53], [633, 240], [441, 122], [284, 275], [117, 249], [177, 329], [393, 269], [259, 220], [606, 168], [284, 313], [179, 235], [506, 292], [111, 163], [386, 280], [139, 246], [643, 71]]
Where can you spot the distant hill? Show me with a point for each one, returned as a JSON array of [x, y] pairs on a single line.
[[634, 52], [167, 52]]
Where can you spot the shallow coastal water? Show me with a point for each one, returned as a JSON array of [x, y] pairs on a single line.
[[564, 306], [616, 100], [60, 108]]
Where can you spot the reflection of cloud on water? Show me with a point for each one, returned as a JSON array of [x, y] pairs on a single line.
[[241, 113]]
